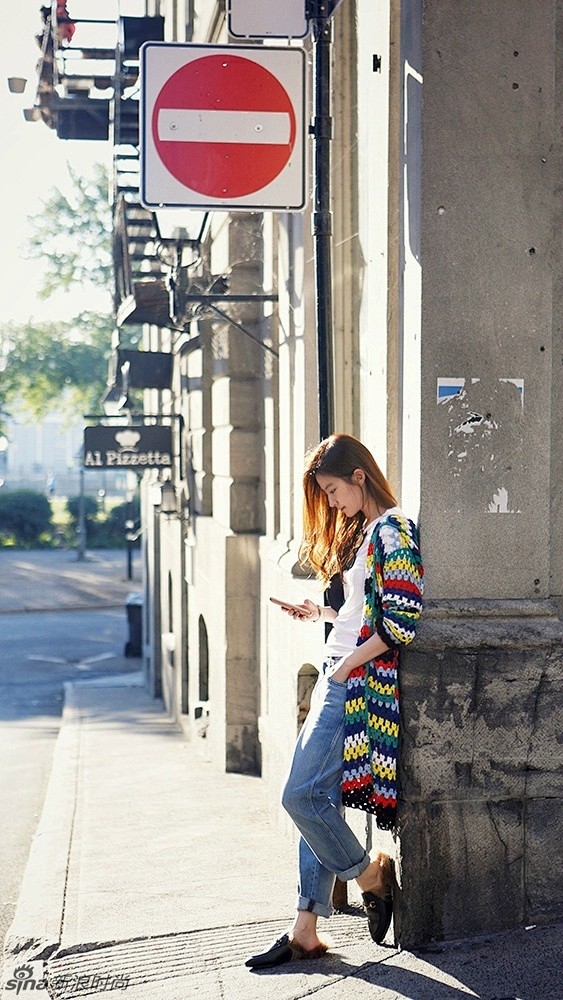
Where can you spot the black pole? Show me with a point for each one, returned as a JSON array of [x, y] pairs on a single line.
[[129, 525], [321, 130], [81, 554]]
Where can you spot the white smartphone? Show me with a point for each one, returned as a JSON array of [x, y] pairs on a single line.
[[287, 604]]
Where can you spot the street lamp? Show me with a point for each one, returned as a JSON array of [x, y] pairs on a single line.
[[32, 114], [168, 501], [17, 84]]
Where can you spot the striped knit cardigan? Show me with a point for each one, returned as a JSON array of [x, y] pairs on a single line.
[[392, 607]]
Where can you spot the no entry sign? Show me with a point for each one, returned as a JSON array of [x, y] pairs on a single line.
[[222, 127]]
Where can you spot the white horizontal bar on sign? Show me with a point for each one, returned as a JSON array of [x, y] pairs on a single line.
[[258, 127]]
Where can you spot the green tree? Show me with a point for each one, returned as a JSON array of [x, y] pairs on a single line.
[[52, 364], [72, 234], [44, 365]]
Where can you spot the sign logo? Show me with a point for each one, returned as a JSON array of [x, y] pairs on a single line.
[[136, 448], [31, 976], [26, 977], [128, 440], [223, 127]]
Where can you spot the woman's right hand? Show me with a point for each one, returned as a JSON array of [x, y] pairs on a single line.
[[306, 612]]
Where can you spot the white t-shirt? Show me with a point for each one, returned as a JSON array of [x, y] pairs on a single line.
[[346, 628]]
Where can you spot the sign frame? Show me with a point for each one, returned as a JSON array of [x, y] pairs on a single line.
[[242, 16], [287, 191], [127, 454]]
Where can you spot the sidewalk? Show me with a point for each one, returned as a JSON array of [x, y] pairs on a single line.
[[152, 872], [55, 580]]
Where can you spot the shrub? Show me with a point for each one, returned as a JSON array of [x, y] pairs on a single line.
[[25, 515], [103, 531], [118, 515], [91, 507]]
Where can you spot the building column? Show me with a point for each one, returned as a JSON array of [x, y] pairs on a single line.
[[237, 408], [481, 757]]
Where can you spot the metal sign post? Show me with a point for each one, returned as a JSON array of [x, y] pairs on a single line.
[[321, 130]]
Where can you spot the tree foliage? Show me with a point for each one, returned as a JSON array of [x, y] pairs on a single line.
[[72, 234], [44, 365], [56, 364]]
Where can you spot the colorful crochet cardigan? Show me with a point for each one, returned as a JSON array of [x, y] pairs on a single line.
[[392, 607]]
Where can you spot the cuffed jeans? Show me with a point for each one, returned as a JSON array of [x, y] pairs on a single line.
[[312, 797]]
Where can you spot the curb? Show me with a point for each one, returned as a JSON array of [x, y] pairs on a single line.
[[35, 931], [59, 607]]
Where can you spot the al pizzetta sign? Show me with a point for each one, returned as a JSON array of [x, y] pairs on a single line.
[[135, 448]]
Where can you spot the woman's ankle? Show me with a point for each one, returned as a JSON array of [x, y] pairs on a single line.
[[304, 928], [378, 876]]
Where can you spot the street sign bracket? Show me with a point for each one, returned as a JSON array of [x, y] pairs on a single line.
[[204, 299]]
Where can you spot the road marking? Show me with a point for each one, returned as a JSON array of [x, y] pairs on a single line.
[[46, 659], [98, 658], [87, 661]]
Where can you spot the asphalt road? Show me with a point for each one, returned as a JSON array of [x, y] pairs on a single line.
[[38, 653]]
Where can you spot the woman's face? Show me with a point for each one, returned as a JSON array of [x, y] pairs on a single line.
[[345, 496]]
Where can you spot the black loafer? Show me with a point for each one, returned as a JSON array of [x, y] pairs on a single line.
[[379, 912], [280, 952]]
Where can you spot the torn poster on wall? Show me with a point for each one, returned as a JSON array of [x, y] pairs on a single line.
[[484, 425]]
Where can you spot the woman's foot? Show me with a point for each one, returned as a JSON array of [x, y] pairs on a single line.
[[301, 941], [286, 949], [303, 936], [377, 878], [376, 883]]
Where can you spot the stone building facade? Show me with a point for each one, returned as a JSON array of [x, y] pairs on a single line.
[[446, 167]]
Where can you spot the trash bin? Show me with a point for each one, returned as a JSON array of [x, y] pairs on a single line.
[[134, 606]]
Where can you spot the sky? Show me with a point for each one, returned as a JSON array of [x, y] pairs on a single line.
[[34, 161]]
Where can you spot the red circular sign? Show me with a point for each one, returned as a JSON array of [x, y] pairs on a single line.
[[217, 97]]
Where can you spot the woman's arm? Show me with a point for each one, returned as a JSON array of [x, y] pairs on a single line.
[[401, 599], [372, 647]]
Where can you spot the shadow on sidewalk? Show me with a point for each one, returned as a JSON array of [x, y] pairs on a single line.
[[519, 966]]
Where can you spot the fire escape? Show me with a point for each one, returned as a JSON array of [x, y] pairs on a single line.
[[88, 89]]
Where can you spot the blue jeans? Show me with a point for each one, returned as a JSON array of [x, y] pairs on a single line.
[[312, 797]]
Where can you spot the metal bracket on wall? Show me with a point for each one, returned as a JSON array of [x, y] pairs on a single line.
[[209, 299]]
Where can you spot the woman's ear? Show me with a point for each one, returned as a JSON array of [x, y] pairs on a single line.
[[358, 477]]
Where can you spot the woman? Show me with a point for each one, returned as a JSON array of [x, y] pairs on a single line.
[[346, 751]]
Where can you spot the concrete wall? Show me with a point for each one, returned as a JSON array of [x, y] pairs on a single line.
[[487, 222], [481, 772], [556, 457], [222, 599]]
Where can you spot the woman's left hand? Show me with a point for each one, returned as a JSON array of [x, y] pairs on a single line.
[[342, 671]]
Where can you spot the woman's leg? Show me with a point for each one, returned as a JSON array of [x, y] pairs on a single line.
[[315, 882], [327, 846], [312, 799]]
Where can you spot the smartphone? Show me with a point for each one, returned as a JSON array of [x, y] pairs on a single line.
[[287, 604]]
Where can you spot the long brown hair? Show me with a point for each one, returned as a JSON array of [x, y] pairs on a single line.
[[330, 539]]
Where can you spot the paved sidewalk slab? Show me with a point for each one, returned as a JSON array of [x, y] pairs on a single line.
[[154, 873]]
